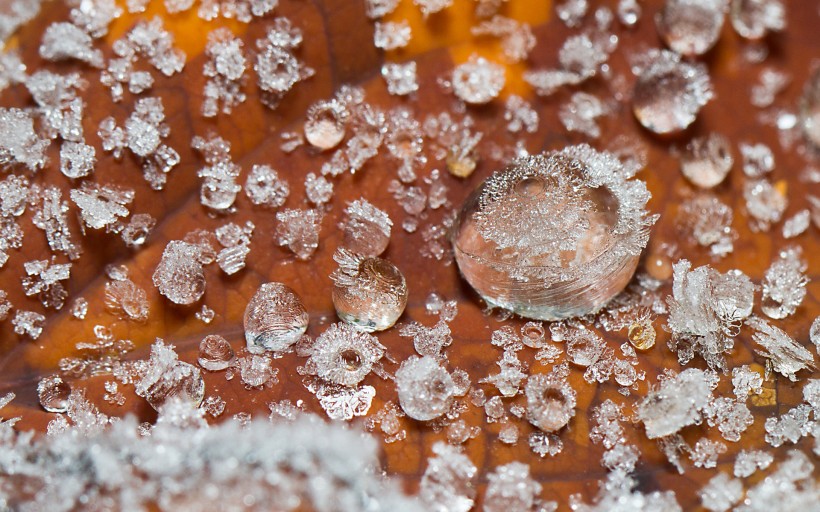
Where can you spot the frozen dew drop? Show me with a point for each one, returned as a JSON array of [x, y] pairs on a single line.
[[325, 124], [707, 160], [366, 229], [215, 353], [669, 93], [344, 355], [53, 393], [753, 19], [369, 293], [164, 379], [550, 401], [275, 319], [534, 237], [641, 334], [426, 390], [179, 275], [478, 80], [629, 12], [691, 27]]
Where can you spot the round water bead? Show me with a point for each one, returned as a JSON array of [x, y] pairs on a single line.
[[53, 393], [707, 160], [369, 293], [810, 109], [691, 27], [425, 388], [550, 402], [325, 124], [478, 80], [555, 235], [669, 93], [275, 319], [215, 353]]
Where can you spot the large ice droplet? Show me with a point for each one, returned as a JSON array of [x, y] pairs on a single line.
[[274, 319]]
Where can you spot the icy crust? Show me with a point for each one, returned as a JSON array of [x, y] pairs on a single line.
[[531, 230], [265, 465]]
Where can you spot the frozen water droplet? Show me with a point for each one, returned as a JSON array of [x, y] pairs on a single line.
[[753, 19], [425, 388], [344, 355], [325, 124], [53, 393], [642, 334], [707, 160], [275, 319], [179, 275], [534, 237], [366, 229], [478, 80], [669, 93], [215, 353], [165, 378], [369, 293], [691, 27], [629, 12], [550, 401], [810, 109]]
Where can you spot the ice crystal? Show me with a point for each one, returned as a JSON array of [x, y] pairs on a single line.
[[19, 143], [617, 493], [517, 39], [219, 187], [77, 159], [571, 12], [721, 493], [797, 224], [256, 371], [101, 205], [318, 189], [53, 393], [44, 279], [792, 486], [550, 400], [378, 8], [366, 229], [62, 41], [400, 78], [771, 83], [235, 241], [345, 356], [103, 355], [708, 221], [51, 218], [126, 300], [784, 284], [179, 275], [731, 417], [447, 483], [426, 390], [277, 68], [785, 355], [520, 115], [164, 378], [510, 487], [758, 159], [691, 27], [705, 311], [264, 187], [225, 71], [143, 133], [753, 19], [580, 114], [428, 341], [745, 382], [791, 426], [241, 10], [676, 403], [478, 80], [136, 232], [669, 93], [764, 203], [344, 402], [299, 231], [429, 7], [629, 12], [94, 16], [749, 461], [215, 353], [325, 123], [57, 101]]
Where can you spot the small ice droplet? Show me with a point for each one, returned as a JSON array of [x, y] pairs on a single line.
[[691, 27], [641, 334], [215, 353], [344, 355], [629, 12], [275, 319], [669, 93], [533, 238], [707, 160], [165, 378], [753, 19], [478, 80], [550, 401], [810, 110], [179, 275], [366, 228], [369, 293], [53, 394], [325, 124], [425, 388]]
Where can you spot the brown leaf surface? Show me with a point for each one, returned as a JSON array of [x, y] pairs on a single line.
[[338, 44]]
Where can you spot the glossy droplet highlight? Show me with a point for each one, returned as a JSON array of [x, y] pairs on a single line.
[[691, 27], [53, 393], [669, 93], [215, 353], [275, 319], [554, 235], [369, 293]]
